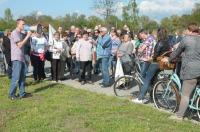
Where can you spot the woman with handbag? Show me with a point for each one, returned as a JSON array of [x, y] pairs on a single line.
[[56, 47], [124, 52], [190, 70], [161, 47]]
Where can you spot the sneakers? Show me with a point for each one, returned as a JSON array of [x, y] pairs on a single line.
[[136, 101], [176, 118], [82, 82], [105, 86], [14, 97], [53, 81]]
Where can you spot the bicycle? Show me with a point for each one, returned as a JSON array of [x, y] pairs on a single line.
[[167, 94], [2, 64], [129, 85]]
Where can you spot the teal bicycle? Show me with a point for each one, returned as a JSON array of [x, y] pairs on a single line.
[[167, 95]]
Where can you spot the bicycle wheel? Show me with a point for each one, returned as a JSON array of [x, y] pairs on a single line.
[[2, 67], [164, 97], [198, 106], [127, 86]]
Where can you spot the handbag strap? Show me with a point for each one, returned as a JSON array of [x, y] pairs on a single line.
[[167, 52]]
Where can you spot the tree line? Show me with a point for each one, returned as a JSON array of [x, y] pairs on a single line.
[[129, 17]]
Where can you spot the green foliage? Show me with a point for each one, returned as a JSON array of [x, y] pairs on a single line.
[[129, 17]]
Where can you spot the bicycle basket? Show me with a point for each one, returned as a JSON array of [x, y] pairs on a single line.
[[166, 65]]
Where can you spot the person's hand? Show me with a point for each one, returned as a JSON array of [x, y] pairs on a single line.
[[77, 59], [176, 46], [165, 59], [119, 54], [59, 50], [29, 33]]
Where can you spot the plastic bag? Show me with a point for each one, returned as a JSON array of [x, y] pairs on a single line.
[[119, 71]]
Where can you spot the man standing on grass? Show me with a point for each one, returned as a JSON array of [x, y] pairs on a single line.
[[18, 61]]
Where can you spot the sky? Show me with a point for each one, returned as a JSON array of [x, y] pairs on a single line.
[[155, 9]]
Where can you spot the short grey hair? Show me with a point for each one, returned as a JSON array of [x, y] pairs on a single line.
[[104, 29]]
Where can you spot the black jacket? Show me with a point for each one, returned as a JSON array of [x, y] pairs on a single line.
[[160, 48], [7, 49]]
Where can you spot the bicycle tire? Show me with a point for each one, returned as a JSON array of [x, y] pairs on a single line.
[[198, 106], [167, 100], [2, 67], [127, 86]]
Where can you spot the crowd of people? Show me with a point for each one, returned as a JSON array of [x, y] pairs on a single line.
[[81, 51]]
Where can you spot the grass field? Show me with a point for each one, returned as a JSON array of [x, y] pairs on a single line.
[[56, 107]]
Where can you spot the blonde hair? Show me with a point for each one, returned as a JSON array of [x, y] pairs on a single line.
[[7, 32]]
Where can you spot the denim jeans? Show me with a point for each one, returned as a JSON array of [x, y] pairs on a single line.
[[112, 63], [152, 70], [76, 66], [18, 77], [144, 67], [105, 72]]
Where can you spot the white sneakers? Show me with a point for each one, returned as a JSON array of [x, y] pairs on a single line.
[[136, 100]]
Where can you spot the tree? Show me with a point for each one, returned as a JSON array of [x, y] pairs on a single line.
[[92, 21], [7, 22], [176, 23], [166, 22], [8, 15], [130, 14], [195, 15], [105, 8]]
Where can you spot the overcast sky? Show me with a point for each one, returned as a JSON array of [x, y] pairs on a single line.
[[155, 9]]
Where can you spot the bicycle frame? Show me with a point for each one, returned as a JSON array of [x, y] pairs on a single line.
[[174, 78]]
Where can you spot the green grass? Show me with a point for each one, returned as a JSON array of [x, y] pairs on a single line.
[[56, 107]]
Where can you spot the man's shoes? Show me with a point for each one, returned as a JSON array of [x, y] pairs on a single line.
[[105, 86], [27, 95], [136, 101], [176, 118], [64, 78], [82, 82], [90, 82], [36, 81], [101, 83], [14, 98]]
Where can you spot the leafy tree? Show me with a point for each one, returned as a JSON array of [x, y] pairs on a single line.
[[176, 22], [92, 21], [195, 15], [130, 15], [8, 15], [166, 22]]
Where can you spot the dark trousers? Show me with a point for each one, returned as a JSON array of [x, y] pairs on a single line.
[[85, 66], [55, 69], [38, 65], [127, 67], [62, 69]]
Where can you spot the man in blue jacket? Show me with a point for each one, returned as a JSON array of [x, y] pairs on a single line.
[[104, 52]]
